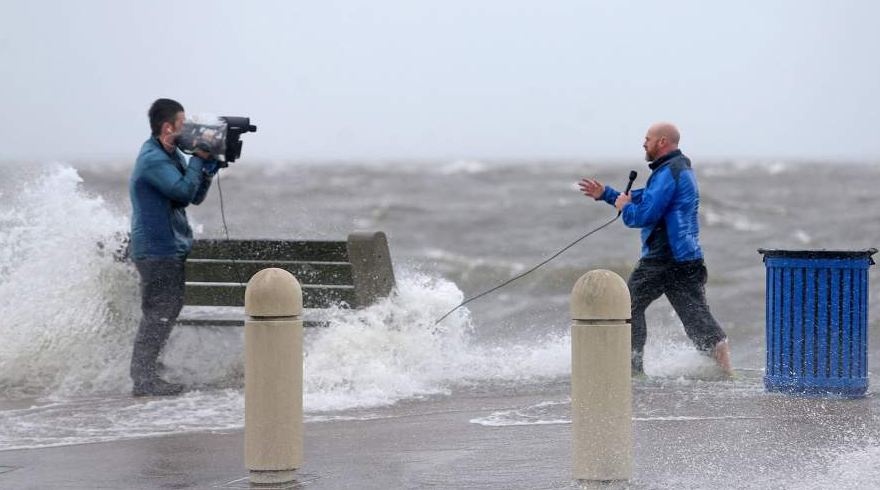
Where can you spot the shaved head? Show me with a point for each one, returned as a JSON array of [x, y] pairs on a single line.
[[665, 130], [661, 138]]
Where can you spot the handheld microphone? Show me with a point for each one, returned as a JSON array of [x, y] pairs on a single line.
[[632, 178]]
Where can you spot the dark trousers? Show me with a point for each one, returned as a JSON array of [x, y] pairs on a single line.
[[683, 283], [162, 287]]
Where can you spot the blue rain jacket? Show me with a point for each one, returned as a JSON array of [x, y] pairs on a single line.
[[668, 205], [162, 185]]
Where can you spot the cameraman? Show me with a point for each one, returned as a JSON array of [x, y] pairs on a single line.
[[162, 185]]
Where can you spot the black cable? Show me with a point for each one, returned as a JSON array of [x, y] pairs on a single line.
[[226, 229], [505, 283]]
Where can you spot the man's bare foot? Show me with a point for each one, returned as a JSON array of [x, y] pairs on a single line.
[[721, 354]]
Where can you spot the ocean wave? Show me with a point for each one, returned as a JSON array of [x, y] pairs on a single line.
[[393, 350], [729, 219], [554, 276], [68, 306], [70, 313], [467, 167], [729, 168]]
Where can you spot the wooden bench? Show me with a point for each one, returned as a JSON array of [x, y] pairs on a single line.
[[351, 273]]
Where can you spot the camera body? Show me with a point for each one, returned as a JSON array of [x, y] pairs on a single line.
[[221, 138], [235, 127]]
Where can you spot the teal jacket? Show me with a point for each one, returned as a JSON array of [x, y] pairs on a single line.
[[162, 185]]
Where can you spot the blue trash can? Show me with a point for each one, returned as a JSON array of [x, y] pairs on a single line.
[[817, 321]]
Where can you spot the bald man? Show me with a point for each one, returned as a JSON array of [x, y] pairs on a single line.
[[672, 260]]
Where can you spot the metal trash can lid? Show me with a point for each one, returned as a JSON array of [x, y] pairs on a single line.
[[818, 254]]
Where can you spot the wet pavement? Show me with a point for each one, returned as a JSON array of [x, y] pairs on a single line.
[[687, 434]]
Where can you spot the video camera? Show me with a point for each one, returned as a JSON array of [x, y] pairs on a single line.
[[220, 137]]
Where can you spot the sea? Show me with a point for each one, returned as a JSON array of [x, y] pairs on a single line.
[[69, 310]]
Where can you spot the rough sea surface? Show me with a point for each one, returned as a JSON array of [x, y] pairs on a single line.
[[68, 311]]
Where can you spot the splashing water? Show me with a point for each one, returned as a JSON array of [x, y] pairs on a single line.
[[69, 313], [392, 351], [66, 305], [366, 358], [856, 468]]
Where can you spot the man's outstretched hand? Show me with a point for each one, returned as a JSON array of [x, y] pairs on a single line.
[[591, 188]]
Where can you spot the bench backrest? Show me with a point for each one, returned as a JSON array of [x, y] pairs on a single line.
[[354, 273]]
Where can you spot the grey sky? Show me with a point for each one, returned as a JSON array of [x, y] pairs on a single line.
[[447, 79]]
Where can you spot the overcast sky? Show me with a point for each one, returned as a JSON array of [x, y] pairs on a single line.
[[447, 79]]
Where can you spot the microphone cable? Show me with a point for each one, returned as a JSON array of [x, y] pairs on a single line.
[[632, 178], [226, 230]]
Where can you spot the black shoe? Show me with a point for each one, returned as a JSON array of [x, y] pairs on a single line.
[[156, 387]]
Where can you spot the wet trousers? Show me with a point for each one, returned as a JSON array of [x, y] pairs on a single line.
[[162, 287], [683, 283]]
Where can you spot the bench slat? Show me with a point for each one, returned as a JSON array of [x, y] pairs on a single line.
[[303, 250], [211, 294], [210, 270], [206, 322], [198, 322]]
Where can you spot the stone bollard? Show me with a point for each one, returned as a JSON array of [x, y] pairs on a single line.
[[601, 384], [273, 377]]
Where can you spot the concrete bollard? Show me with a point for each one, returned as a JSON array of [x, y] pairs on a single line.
[[601, 384], [273, 377]]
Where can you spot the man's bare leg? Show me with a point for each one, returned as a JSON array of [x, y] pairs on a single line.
[[721, 354]]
